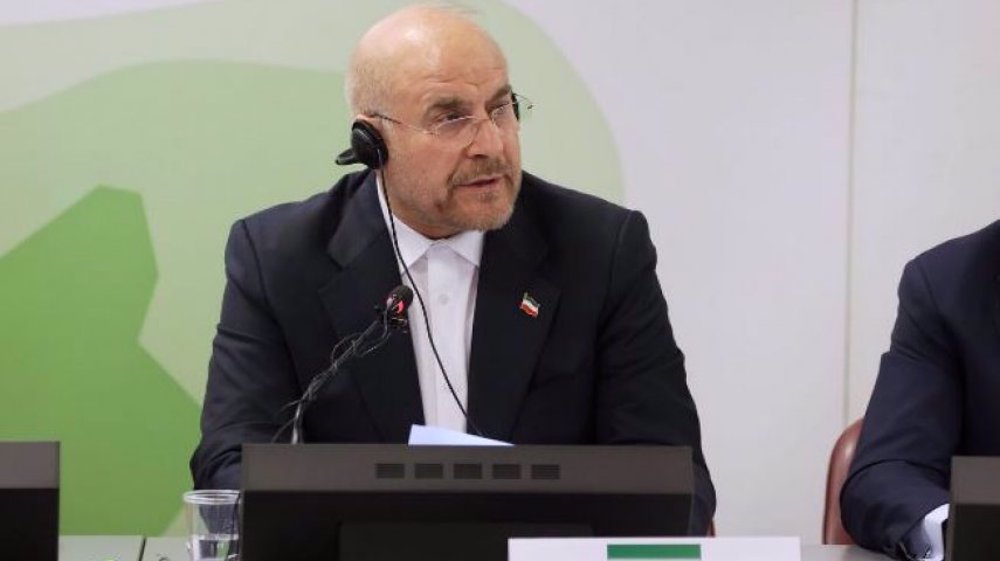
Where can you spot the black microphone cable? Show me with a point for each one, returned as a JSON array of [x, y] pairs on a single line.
[[356, 345], [420, 299]]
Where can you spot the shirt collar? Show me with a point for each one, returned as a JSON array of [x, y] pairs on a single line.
[[413, 245]]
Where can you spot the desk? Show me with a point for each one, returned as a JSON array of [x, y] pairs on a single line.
[[165, 549], [100, 548], [839, 553], [172, 549]]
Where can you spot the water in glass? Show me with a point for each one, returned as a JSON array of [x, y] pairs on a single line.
[[214, 547]]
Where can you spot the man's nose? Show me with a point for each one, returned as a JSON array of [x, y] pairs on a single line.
[[487, 139]]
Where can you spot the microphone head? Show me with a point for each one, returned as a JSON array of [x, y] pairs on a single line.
[[398, 301]]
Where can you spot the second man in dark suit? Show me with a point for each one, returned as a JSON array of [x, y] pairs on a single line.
[[936, 396]]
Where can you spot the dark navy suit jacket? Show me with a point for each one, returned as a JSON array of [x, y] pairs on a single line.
[[937, 392], [597, 365]]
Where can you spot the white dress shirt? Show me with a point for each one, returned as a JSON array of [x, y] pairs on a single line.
[[446, 273]]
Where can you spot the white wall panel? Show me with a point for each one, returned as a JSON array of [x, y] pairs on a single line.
[[732, 123], [927, 151]]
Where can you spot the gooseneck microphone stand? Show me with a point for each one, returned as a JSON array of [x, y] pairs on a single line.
[[392, 317]]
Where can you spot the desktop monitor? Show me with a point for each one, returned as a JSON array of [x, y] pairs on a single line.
[[29, 500], [974, 514], [374, 502]]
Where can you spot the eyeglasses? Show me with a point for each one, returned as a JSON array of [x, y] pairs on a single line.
[[460, 130]]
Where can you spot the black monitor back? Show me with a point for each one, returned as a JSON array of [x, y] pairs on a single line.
[[373, 502], [29, 500], [974, 515]]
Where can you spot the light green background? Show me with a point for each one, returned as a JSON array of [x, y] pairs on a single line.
[[130, 143]]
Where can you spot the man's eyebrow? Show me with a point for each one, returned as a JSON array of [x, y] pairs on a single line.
[[446, 104], [454, 103], [504, 92]]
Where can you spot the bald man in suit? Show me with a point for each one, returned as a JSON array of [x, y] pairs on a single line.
[[544, 302]]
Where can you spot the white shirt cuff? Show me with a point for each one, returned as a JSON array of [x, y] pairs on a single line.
[[926, 540]]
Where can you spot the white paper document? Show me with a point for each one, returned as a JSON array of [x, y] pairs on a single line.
[[421, 435], [654, 549]]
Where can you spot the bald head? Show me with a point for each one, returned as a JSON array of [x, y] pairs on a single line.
[[431, 70], [413, 41]]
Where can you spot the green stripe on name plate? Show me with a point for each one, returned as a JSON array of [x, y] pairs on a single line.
[[654, 551]]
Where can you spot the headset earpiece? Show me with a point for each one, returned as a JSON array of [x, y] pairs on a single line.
[[367, 145]]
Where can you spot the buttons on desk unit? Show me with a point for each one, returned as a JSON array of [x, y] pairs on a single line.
[[498, 471]]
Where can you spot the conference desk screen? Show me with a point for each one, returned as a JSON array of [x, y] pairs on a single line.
[[353, 502], [974, 517], [29, 500]]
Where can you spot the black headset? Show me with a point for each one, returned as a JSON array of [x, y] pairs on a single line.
[[367, 147]]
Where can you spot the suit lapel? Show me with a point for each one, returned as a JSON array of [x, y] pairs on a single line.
[[387, 378], [506, 340], [992, 252], [996, 297]]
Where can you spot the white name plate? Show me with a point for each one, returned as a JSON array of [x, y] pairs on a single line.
[[654, 549]]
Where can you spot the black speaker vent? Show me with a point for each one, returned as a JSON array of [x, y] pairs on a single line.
[[429, 471], [390, 471], [506, 471], [545, 471], [468, 471]]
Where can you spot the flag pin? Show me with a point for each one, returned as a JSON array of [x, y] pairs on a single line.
[[529, 305]]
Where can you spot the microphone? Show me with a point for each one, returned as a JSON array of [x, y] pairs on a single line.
[[391, 317], [396, 305]]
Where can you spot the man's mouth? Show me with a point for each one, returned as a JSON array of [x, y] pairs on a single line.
[[485, 181]]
